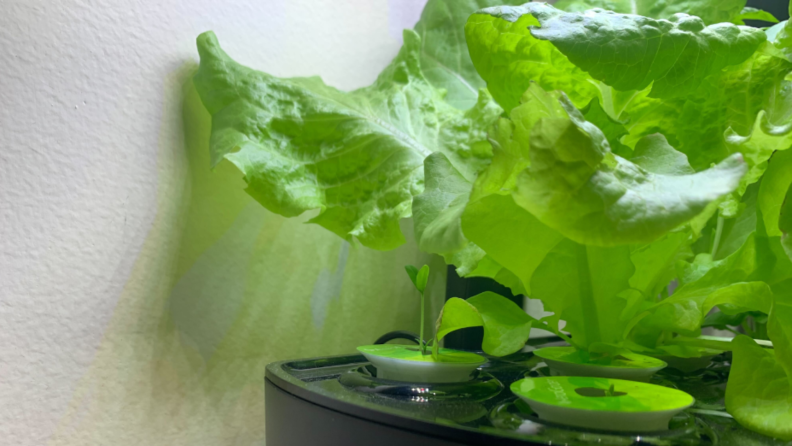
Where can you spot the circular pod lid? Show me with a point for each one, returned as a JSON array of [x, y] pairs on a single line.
[[601, 394], [625, 360], [410, 353], [407, 364]]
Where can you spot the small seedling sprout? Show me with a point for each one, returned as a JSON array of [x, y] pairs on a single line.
[[420, 278]]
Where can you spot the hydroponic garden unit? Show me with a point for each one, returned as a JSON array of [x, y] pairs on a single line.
[[623, 161]]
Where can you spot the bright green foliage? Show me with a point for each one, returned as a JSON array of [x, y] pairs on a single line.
[[772, 192], [781, 332], [627, 52], [785, 223], [630, 150], [717, 282], [488, 267], [438, 211], [419, 277], [696, 120], [759, 392], [709, 11], [783, 37], [456, 314], [749, 13], [437, 214], [620, 6], [576, 186], [655, 263], [582, 285], [612, 128], [685, 312], [508, 57], [511, 236], [737, 101], [758, 147], [506, 326], [445, 60], [510, 140], [654, 154], [356, 156], [756, 93]]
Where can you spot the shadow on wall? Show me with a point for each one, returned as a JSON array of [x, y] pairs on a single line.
[[221, 288]]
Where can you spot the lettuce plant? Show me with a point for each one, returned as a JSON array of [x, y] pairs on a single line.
[[621, 161], [506, 326]]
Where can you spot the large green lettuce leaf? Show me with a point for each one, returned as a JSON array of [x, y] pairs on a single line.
[[453, 217], [645, 115], [711, 11], [577, 187], [510, 140], [509, 234], [782, 36], [445, 60], [708, 125], [771, 128], [712, 283], [726, 123], [355, 156], [509, 57], [696, 121], [785, 223], [736, 231], [488, 267], [512, 238], [655, 266], [582, 285], [759, 392], [654, 154], [629, 52], [684, 313], [772, 192], [446, 63], [612, 128], [437, 214]]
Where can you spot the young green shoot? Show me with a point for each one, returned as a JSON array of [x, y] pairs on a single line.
[[419, 278]]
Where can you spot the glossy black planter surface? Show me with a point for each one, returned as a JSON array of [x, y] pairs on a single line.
[[340, 401]]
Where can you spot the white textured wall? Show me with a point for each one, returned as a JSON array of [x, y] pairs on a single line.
[[93, 186]]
